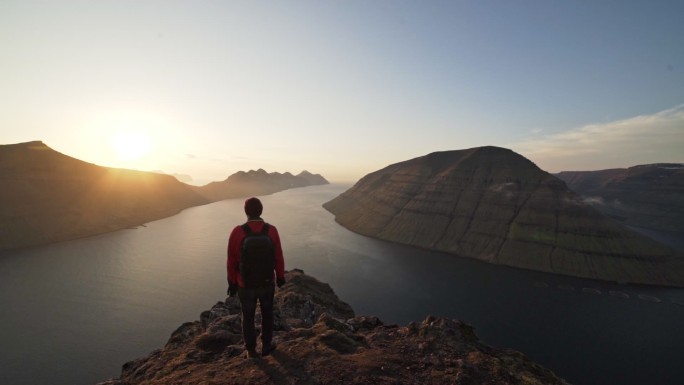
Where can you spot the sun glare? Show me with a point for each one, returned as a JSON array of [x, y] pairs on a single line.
[[130, 145]]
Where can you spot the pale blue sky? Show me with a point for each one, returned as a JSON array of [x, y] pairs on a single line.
[[342, 88]]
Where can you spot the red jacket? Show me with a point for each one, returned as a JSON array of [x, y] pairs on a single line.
[[235, 242]]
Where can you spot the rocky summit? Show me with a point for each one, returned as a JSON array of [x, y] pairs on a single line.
[[321, 341], [492, 204]]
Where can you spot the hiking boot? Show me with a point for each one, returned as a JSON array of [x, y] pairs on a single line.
[[268, 349], [252, 353]]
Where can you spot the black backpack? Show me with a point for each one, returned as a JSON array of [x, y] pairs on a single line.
[[257, 258]]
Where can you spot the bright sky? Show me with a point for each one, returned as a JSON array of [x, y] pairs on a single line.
[[342, 88]]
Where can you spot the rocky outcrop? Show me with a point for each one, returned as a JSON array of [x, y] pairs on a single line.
[[257, 182], [321, 341], [649, 196], [492, 204], [48, 197]]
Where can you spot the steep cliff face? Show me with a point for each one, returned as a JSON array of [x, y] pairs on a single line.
[[257, 182], [321, 341], [47, 196], [650, 196], [492, 204]]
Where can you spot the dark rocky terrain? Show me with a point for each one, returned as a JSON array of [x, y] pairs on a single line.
[[46, 196], [649, 196], [495, 205], [321, 341]]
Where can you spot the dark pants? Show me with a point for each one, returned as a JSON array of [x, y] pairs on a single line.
[[248, 300]]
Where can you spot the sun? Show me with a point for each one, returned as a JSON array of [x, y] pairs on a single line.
[[130, 145]]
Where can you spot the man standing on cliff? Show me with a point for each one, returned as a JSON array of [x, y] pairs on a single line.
[[254, 253]]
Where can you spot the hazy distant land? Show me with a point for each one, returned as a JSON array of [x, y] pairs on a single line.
[[48, 197], [495, 205], [649, 196]]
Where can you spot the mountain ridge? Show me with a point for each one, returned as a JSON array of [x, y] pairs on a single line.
[[492, 204], [648, 195], [257, 182], [50, 197]]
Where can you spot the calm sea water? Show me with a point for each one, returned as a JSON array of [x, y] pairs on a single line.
[[74, 312]]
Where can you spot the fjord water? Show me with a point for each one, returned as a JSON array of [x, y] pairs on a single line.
[[73, 312]]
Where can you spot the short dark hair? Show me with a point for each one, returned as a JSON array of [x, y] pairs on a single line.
[[253, 207]]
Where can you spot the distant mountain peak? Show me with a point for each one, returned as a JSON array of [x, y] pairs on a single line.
[[259, 182], [314, 179]]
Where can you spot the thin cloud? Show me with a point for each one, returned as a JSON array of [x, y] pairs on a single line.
[[623, 143]]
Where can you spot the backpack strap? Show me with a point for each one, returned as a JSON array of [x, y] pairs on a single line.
[[246, 229]]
